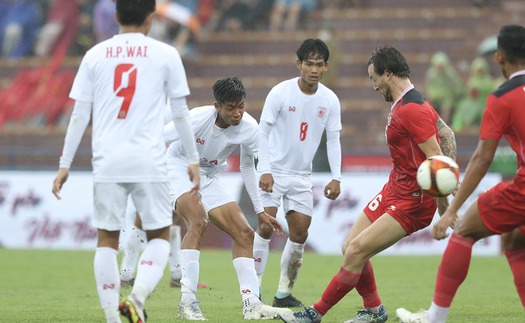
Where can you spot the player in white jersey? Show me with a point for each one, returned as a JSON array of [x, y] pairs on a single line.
[[295, 115], [219, 130], [122, 84]]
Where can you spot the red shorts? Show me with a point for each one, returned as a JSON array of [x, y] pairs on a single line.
[[412, 212], [502, 208]]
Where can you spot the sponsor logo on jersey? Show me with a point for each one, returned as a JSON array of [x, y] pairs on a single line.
[[321, 112], [292, 109]]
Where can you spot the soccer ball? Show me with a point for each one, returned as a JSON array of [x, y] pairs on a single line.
[[438, 176]]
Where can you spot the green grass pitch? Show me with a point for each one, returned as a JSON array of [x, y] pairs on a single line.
[[58, 286]]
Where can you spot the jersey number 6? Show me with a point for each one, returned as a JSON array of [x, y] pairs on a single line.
[[124, 86]]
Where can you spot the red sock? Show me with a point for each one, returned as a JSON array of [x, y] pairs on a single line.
[[516, 261], [342, 283], [366, 286], [453, 269]]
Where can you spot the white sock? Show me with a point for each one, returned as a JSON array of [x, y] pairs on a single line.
[[261, 249], [189, 264], [174, 259], [150, 269], [132, 248], [245, 269], [437, 314], [107, 279], [291, 261]]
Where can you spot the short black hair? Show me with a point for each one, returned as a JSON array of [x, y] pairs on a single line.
[[229, 89], [134, 12], [311, 47], [387, 58], [511, 43]]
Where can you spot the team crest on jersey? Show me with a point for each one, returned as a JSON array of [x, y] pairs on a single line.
[[321, 112]]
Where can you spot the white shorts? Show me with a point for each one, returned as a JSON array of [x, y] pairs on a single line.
[[150, 199], [212, 193], [295, 192]]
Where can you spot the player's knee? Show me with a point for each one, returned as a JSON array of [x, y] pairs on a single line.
[[298, 236], [198, 225], [264, 231], [244, 236]]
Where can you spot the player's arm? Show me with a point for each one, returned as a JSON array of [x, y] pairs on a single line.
[[333, 149], [249, 175], [170, 133], [263, 164], [181, 120], [447, 139], [77, 126]]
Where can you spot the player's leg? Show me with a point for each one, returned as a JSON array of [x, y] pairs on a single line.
[[455, 262], [261, 244], [190, 209], [175, 247], [108, 216], [132, 247], [263, 234], [230, 219], [298, 207], [152, 203], [514, 249], [292, 259]]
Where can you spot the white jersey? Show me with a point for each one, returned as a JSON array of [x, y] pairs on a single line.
[[128, 79], [214, 144], [298, 121]]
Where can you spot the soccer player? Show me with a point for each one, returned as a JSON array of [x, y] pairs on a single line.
[[219, 129], [412, 134], [294, 117], [123, 84], [499, 210]]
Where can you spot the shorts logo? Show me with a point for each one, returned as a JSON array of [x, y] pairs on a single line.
[[292, 109], [200, 141], [321, 112]]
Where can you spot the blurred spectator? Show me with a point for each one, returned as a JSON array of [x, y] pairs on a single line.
[[291, 12], [237, 15], [479, 85], [18, 27], [60, 29], [85, 38], [183, 14], [444, 86], [104, 23]]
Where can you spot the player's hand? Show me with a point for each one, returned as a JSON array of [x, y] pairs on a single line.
[[266, 183], [439, 231], [271, 222], [60, 179], [332, 189], [195, 177]]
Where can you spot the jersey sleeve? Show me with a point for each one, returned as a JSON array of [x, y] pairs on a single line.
[[82, 89], [271, 107], [494, 120], [416, 119], [177, 83], [334, 116]]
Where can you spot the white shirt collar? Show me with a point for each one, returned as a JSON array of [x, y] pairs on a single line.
[[522, 72], [402, 94]]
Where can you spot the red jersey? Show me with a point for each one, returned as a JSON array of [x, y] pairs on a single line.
[[504, 116], [411, 121]]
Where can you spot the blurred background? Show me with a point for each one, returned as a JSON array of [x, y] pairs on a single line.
[[449, 45]]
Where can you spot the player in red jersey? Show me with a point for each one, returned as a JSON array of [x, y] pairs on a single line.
[[501, 209], [414, 132]]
